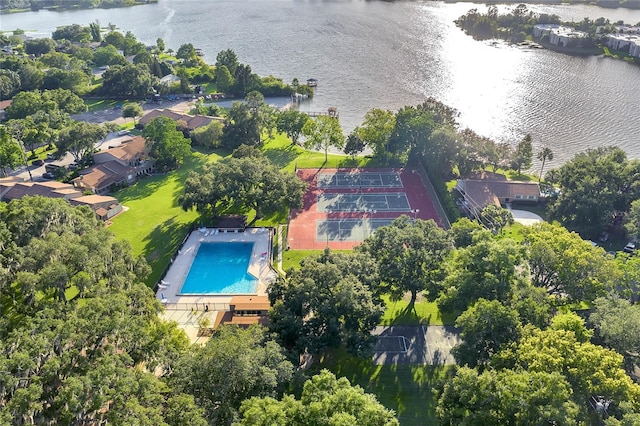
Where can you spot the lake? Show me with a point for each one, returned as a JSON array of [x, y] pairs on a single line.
[[368, 54]]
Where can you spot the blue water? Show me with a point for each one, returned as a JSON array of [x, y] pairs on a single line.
[[221, 268]]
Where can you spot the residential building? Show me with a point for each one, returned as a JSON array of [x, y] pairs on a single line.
[[559, 35], [116, 167], [104, 207], [245, 311], [624, 41], [480, 193]]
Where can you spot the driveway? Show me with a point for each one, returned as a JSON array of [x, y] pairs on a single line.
[[524, 217]]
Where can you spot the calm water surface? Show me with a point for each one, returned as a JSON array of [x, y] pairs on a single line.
[[379, 54]]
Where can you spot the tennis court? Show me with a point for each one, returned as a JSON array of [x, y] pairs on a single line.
[[342, 207], [350, 202], [347, 229], [359, 179]]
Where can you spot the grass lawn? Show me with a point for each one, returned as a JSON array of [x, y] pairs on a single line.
[[102, 104], [407, 389], [155, 224], [422, 312]]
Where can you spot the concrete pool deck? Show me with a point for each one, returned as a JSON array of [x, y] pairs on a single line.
[[259, 266]]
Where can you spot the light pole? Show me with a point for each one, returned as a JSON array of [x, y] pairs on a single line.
[[415, 213]]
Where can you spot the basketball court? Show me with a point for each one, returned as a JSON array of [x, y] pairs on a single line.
[[342, 207]]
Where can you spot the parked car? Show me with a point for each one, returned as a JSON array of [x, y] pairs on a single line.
[[629, 248], [48, 175], [37, 163], [73, 166]]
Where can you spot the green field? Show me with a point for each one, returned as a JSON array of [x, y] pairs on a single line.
[[422, 312]]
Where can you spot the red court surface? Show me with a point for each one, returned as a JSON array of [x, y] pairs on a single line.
[[304, 223]]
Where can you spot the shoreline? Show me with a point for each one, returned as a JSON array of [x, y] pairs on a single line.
[[61, 8]]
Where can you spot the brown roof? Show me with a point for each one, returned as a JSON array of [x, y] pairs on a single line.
[[4, 104], [94, 199], [250, 303], [485, 192], [245, 321], [103, 175], [128, 150], [23, 189]]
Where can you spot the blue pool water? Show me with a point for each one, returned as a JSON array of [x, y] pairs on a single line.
[[221, 268]]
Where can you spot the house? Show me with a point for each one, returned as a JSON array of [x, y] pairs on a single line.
[[105, 177], [245, 311], [132, 152], [192, 122], [559, 35], [479, 193], [104, 207], [116, 167]]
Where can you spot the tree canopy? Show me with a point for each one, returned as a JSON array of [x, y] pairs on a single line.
[[248, 182], [325, 304], [596, 186], [323, 132], [409, 255], [168, 144], [325, 400]]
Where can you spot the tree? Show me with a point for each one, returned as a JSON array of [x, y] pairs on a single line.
[[544, 155], [208, 136], [354, 145], [10, 152], [72, 32], [80, 140], [228, 59], [168, 144], [132, 110], [61, 270], [487, 326], [523, 155], [291, 122], [489, 269], [325, 400], [242, 126], [248, 182], [463, 230], [224, 79], [245, 80], [324, 305], [409, 255], [128, 80], [596, 186], [39, 46], [496, 218], [617, 323], [94, 28], [632, 220], [9, 83], [589, 369], [108, 55], [412, 127], [376, 130], [506, 397], [188, 54], [323, 132], [565, 265], [30, 133], [160, 46], [29, 103], [234, 365]]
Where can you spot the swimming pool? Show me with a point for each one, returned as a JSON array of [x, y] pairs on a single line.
[[221, 268]]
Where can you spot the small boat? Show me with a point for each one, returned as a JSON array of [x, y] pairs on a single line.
[[312, 82]]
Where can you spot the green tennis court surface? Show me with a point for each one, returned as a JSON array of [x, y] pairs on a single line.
[[350, 202], [347, 229], [357, 179]]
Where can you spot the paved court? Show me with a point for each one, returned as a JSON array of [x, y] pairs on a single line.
[[342, 207], [426, 345], [376, 202], [359, 179]]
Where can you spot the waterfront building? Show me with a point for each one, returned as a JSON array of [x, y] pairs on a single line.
[[559, 35]]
